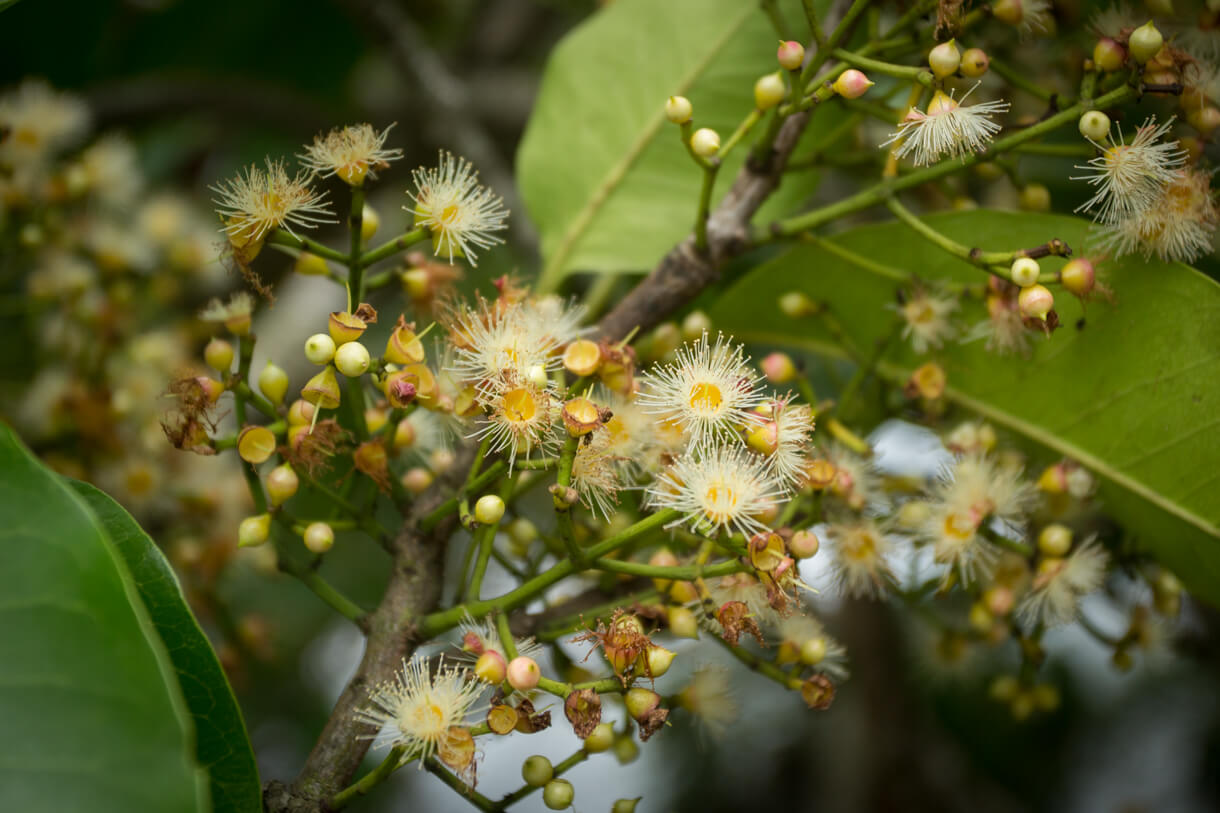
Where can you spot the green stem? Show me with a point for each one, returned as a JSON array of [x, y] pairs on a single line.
[[678, 572], [355, 224], [450, 505], [323, 589], [370, 780], [913, 74], [525, 790], [705, 205], [742, 130], [563, 509], [255, 400], [762, 667], [471, 795], [877, 193], [391, 247], [486, 538], [815, 26], [537, 464], [771, 9], [863, 371], [1004, 542], [279, 237], [1018, 80]]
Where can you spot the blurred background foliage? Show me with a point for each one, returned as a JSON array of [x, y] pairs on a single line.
[[202, 87]]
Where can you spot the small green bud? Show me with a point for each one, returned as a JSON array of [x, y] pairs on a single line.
[[310, 265], [1144, 42], [625, 750], [319, 537], [601, 739], [282, 484], [851, 84], [273, 382], [1035, 302], [796, 305], [678, 109], [695, 325], [523, 673], [1108, 55], [790, 55], [944, 59], [370, 221], [625, 805], [254, 531], [769, 91], [1035, 197], [219, 355], [1025, 271], [537, 771], [1055, 540], [705, 142], [1078, 276], [352, 359], [975, 63], [489, 509], [320, 349], [1094, 125], [558, 794]]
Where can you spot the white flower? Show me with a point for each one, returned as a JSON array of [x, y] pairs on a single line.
[[1129, 177], [258, 201], [812, 646], [522, 418], [717, 489], [1061, 583], [708, 390], [1179, 225], [860, 550], [784, 437], [595, 473], [509, 340], [925, 315], [460, 214], [350, 152], [40, 122], [709, 696], [948, 128], [631, 433], [416, 709], [482, 636]]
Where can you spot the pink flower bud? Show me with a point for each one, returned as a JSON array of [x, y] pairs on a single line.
[[1078, 276], [790, 55], [778, 368], [1035, 302], [852, 84], [523, 673]]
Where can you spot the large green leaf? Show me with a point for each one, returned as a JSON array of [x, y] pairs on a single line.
[[221, 744], [603, 174], [93, 717], [1133, 393]]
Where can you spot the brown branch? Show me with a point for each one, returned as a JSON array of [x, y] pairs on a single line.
[[685, 271]]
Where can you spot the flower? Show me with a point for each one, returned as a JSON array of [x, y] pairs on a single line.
[[522, 417], [947, 128], [1179, 225], [258, 201], [236, 311], [350, 152], [717, 489], [709, 697], [786, 434], [460, 214], [40, 122], [416, 709], [1129, 177], [974, 492], [595, 474], [482, 636], [860, 548], [631, 433], [708, 390], [811, 645], [1061, 583], [1004, 329], [925, 314], [856, 482]]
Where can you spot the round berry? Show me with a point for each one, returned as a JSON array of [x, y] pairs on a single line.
[[537, 770], [1094, 125], [489, 509], [352, 359], [1055, 540], [523, 673], [320, 348], [558, 794], [1025, 271], [319, 537]]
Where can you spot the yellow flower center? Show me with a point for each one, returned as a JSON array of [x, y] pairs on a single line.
[[721, 502], [520, 406], [1114, 155], [706, 398]]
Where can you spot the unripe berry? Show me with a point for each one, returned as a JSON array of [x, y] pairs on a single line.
[[769, 91], [522, 531], [491, 668], [851, 84], [803, 544], [537, 771], [282, 484], [814, 650], [625, 750], [523, 673], [944, 59], [558, 794], [416, 480], [352, 359], [369, 223], [319, 537], [320, 348], [1108, 55], [705, 142], [678, 109], [489, 509], [311, 265], [1025, 271], [1144, 42], [1035, 197], [254, 531], [1055, 540], [219, 355], [975, 63], [625, 805], [1094, 125], [790, 55], [1078, 276], [273, 382], [601, 739], [255, 444], [1035, 302]]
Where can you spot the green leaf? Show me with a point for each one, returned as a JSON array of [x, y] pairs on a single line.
[[1133, 392], [221, 743], [604, 175], [93, 718]]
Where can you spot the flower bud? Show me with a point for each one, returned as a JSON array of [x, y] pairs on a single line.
[[273, 383], [417, 479], [1144, 42], [682, 622], [1078, 276], [558, 794], [369, 222], [1094, 125], [778, 368], [1108, 55], [322, 390], [491, 668], [975, 63], [944, 59], [625, 750], [705, 142], [695, 325], [803, 544], [320, 348], [625, 805], [219, 355], [852, 84], [769, 91], [790, 55], [796, 305], [254, 531], [582, 357], [1025, 271], [375, 419], [601, 739], [310, 265], [1035, 197], [1205, 119], [813, 651], [345, 327], [1035, 302], [678, 109], [282, 484], [523, 673], [641, 702], [352, 359], [301, 413], [537, 771], [255, 444], [489, 509], [400, 390], [319, 537], [522, 531], [1011, 12], [1055, 540]]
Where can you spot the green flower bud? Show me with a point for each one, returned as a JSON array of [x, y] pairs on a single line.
[[489, 509], [254, 531], [537, 771], [273, 382], [319, 537], [219, 355], [769, 91], [1025, 272], [558, 794], [944, 59], [352, 359], [1144, 42], [678, 109], [320, 349]]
